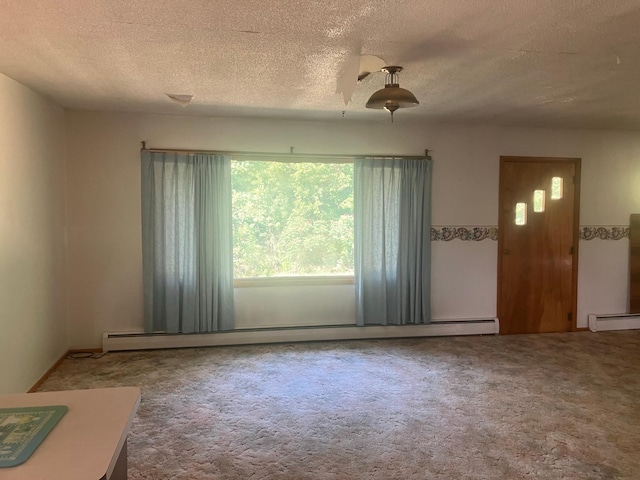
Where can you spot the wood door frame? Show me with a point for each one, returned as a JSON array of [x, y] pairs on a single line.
[[576, 226]]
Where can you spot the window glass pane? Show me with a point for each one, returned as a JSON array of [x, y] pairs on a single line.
[[538, 200], [521, 213], [556, 188], [292, 218]]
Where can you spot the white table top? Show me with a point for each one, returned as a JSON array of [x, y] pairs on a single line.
[[86, 442]]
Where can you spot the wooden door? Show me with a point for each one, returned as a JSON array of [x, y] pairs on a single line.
[[634, 263], [538, 244]]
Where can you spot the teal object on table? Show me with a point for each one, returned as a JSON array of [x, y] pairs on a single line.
[[23, 429]]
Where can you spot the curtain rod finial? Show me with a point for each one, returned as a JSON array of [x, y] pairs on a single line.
[[144, 145]]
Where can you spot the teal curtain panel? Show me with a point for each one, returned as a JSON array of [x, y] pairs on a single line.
[[392, 210], [187, 242]]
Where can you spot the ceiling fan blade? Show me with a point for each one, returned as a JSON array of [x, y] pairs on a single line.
[[348, 78], [369, 64], [440, 45], [356, 69]]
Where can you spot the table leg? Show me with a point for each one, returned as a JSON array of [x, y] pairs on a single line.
[[120, 470]]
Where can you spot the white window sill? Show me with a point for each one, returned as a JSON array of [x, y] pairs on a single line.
[[294, 281]]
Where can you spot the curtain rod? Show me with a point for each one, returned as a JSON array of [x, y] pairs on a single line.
[[281, 154]]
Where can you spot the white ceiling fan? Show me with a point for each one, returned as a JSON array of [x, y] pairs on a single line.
[[359, 65], [389, 98]]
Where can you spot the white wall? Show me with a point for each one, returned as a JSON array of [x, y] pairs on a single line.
[[32, 252], [105, 275], [259, 307]]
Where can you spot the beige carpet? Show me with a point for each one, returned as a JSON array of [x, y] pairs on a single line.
[[555, 406]]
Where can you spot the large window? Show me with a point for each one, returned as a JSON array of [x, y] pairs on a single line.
[[292, 219], [292, 223]]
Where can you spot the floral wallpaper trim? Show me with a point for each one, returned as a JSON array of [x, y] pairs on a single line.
[[477, 234], [604, 232], [474, 234]]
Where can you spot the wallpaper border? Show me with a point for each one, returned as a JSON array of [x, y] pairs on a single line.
[[474, 234], [479, 233], [604, 232]]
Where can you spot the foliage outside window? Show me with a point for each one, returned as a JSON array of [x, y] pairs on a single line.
[[521, 213], [292, 219]]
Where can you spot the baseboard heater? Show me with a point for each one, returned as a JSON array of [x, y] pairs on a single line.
[[142, 341], [617, 321]]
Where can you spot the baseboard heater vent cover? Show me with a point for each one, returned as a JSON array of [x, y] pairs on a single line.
[[618, 321], [142, 341]]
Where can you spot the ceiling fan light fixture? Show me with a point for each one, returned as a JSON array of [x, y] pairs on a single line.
[[392, 97]]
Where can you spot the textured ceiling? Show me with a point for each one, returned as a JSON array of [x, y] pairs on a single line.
[[572, 63]]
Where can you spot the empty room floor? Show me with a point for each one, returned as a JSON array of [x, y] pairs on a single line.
[[550, 406]]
